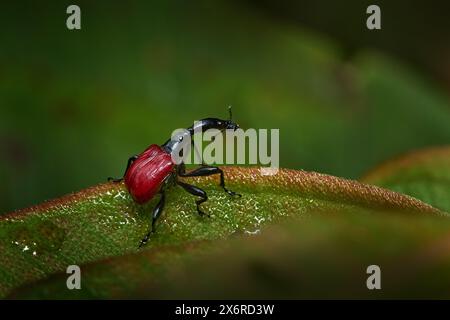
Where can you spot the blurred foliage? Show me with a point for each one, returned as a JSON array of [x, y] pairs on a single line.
[[104, 222], [424, 174], [74, 105], [416, 32]]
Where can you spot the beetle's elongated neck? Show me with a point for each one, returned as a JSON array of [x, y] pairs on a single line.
[[199, 126]]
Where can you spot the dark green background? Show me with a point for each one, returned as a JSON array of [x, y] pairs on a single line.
[[74, 105]]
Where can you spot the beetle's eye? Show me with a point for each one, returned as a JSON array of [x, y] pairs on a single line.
[[180, 138]]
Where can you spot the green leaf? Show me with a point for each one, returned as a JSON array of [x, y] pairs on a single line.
[[422, 174], [103, 221], [321, 257]]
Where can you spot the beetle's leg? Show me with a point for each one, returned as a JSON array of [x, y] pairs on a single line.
[[206, 171], [130, 161], [196, 191], [155, 215]]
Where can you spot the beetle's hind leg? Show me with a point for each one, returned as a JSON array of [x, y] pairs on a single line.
[[206, 171], [155, 215], [130, 161], [196, 191]]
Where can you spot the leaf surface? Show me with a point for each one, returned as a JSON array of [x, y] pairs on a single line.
[[103, 221]]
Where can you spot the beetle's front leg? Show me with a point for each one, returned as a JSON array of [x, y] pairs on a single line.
[[130, 161]]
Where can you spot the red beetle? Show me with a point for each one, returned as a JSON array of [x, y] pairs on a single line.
[[152, 171]]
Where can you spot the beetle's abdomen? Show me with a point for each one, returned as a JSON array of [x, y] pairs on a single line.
[[146, 174]]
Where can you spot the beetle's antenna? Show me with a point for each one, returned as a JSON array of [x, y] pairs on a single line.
[[229, 112]]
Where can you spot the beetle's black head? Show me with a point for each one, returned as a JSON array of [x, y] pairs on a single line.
[[213, 123], [230, 124]]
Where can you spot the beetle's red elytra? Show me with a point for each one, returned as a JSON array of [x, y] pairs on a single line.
[[146, 174], [153, 171]]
